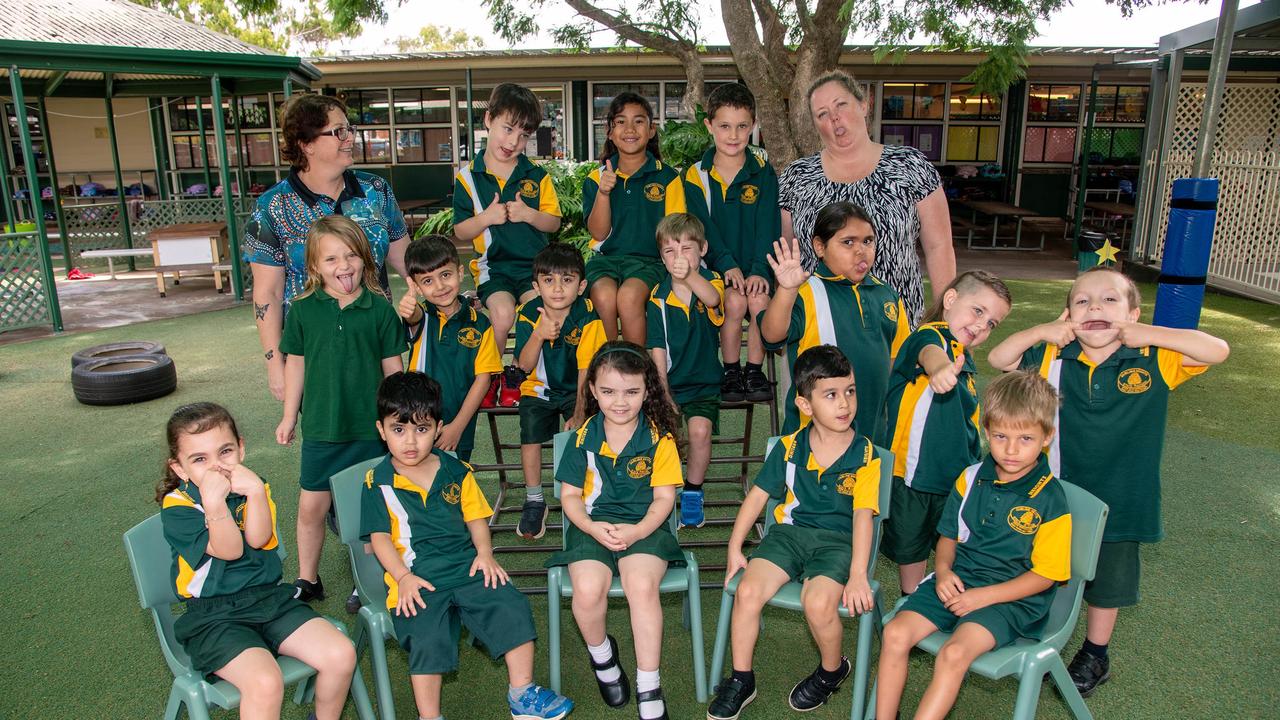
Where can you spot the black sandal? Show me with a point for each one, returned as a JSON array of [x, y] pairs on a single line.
[[618, 692]]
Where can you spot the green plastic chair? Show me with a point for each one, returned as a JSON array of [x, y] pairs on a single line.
[[788, 597], [682, 580], [1030, 659], [149, 561]]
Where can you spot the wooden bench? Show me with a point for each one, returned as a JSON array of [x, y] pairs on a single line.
[[111, 256], [189, 247]]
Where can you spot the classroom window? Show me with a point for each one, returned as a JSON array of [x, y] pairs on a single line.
[[925, 138], [1053, 103], [366, 106], [1049, 145], [421, 105], [259, 149], [424, 145], [973, 143], [1120, 104], [913, 101], [1114, 146], [372, 146], [967, 106]]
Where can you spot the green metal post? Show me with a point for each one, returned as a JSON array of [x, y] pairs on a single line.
[[33, 181], [57, 192], [125, 225], [471, 121], [242, 176], [288, 87], [228, 200], [160, 149], [1083, 184], [204, 146]]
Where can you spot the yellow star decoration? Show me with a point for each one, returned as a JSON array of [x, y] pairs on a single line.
[[1106, 253]]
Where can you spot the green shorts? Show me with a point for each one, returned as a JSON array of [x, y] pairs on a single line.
[[804, 552], [579, 546], [1115, 583], [911, 530], [705, 407], [620, 268], [499, 618], [1005, 621], [322, 459], [517, 282], [541, 419], [214, 631]]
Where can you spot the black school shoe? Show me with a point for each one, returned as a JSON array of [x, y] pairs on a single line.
[[813, 692], [533, 520], [650, 695], [1088, 671], [731, 696], [756, 385], [618, 692], [731, 387], [307, 591]]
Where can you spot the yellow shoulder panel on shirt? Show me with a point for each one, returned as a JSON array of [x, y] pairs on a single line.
[[666, 464], [866, 486], [474, 504], [1051, 549], [177, 498], [548, 201], [1173, 371], [675, 197]]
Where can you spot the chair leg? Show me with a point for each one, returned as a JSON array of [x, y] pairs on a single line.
[[694, 600], [1029, 691], [722, 638], [870, 712], [174, 706], [862, 664], [381, 675], [305, 693], [1067, 689], [684, 613], [360, 695], [197, 707], [553, 627]]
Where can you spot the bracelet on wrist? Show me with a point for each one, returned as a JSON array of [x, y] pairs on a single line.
[[404, 575]]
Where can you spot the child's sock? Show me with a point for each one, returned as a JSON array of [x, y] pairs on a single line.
[[735, 365], [755, 366], [438, 717], [648, 680], [602, 654], [831, 676], [691, 487], [746, 677], [514, 692], [533, 494], [1098, 651]]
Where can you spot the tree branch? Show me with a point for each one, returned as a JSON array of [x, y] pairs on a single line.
[[628, 30]]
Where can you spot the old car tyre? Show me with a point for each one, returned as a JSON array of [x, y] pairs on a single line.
[[116, 349], [124, 379]]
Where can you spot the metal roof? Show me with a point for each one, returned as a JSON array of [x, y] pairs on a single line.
[[113, 23]]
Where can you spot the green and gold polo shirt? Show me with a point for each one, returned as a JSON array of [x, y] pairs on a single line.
[[690, 336], [932, 436], [454, 350], [1003, 530], [556, 375], [342, 351], [197, 574], [637, 204], [741, 214], [812, 496], [428, 526], [511, 244], [1111, 428], [618, 484], [867, 321]]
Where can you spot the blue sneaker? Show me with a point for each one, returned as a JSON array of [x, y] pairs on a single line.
[[691, 514], [539, 703]]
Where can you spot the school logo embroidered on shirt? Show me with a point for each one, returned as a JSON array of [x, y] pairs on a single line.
[[469, 337], [750, 193], [891, 311], [574, 336], [452, 493], [1133, 381], [700, 307], [654, 192], [639, 467], [528, 188], [848, 482], [1024, 519]]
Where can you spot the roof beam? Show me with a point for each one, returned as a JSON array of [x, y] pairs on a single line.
[[51, 86], [1202, 35]]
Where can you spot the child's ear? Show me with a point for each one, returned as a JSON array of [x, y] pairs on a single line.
[[381, 433], [819, 247], [707, 122], [1134, 314], [240, 442], [1048, 439], [802, 404], [702, 250], [949, 298], [488, 119], [582, 286], [177, 469]]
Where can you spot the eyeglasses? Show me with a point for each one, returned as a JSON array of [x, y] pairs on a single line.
[[342, 132]]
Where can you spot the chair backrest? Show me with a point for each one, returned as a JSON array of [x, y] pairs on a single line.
[[347, 486], [149, 561], [559, 444], [1088, 520], [886, 489]]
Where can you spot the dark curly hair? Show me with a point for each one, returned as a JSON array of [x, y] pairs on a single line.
[[629, 358], [303, 117], [191, 419], [616, 106]]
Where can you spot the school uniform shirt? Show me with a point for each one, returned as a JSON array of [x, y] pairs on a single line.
[[866, 321], [741, 214], [427, 527], [812, 496], [1111, 425], [637, 204], [690, 336], [1003, 530], [618, 484], [511, 244], [453, 350], [342, 350], [932, 436], [197, 574], [555, 377]]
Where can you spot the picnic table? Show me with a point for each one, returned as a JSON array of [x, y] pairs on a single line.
[[996, 210], [1111, 212], [190, 247], [411, 209]]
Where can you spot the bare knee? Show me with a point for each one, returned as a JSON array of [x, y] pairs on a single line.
[[752, 594], [699, 433], [502, 314], [339, 658], [639, 586], [820, 605], [591, 590], [735, 307], [955, 655], [263, 687]]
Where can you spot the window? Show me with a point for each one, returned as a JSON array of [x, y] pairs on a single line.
[[255, 113], [421, 105], [966, 106], [366, 106], [419, 145], [1053, 103], [913, 101], [372, 146], [925, 138], [1114, 146], [1050, 145], [1120, 104], [973, 143]]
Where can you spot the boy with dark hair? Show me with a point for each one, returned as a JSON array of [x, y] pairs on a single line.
[[451, 342], [686, 310], [826, 479], [557, 334], [733, 190], [426, 518], [506, 205]]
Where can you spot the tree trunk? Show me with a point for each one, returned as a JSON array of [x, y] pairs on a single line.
[[695, 87]]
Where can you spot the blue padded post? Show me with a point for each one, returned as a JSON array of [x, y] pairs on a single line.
[[1193, 210]]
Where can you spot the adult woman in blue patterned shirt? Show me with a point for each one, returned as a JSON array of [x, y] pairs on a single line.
[[318, 142]]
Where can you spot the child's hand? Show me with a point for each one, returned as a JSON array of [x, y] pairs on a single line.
[[1060, 332], [785, 261], [1135, 334], [604, 533], [968, 601], [680, 267], [496, 213], [494, 575], [519, 211], [948, 585], [284, 431], [756, 285], [410, 595], [608, 178], [547, 330], [575, 421], [628, 534], [408, 307], [945, 379], [857, 595], [734, 562], [733, 279], [449, 436], [243, 480], [214, 487]]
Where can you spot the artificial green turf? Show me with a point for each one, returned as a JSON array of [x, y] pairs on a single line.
[[1203, 642]]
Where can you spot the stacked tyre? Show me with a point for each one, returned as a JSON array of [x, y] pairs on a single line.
[[122, 373]]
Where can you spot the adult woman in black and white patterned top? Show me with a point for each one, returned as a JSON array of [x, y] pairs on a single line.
[[897, 186]]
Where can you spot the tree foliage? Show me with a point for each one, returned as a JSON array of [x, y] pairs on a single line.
[[438, 38], [288, 26]]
